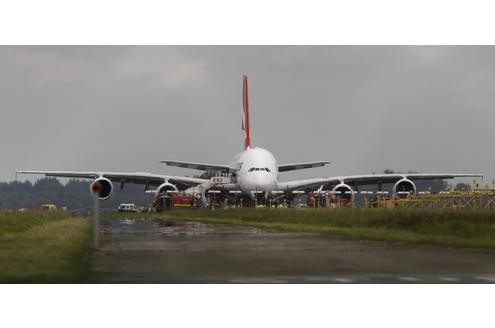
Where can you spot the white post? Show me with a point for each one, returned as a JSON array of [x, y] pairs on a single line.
[[96, 221]]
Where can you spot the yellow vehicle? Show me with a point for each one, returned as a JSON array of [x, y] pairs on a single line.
[[48, 207]]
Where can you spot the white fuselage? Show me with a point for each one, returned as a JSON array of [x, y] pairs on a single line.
[[256, 170]]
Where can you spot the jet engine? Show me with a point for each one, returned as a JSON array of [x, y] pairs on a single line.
[[345, 190], [404, 188], [103, 187], [166, 186]]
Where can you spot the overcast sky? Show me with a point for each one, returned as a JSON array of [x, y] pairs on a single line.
[[364, 108]]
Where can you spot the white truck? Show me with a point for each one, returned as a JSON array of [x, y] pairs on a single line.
[[127, 208]]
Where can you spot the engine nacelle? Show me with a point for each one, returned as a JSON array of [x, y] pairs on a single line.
[[404, 188], [344, 191], [103, 187], [166, 187]]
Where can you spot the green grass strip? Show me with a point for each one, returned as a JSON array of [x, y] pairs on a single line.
[[15, 221], [57, 251], [448, 227], [355, 233]]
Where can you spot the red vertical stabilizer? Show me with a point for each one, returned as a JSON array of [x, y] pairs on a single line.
[[245, 114]]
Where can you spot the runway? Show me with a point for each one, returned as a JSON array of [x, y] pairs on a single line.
[[148, 251]]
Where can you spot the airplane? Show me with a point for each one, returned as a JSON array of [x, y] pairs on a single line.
[[253, 171]]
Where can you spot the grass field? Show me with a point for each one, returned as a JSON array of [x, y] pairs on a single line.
[[460, 228], [43, 247]]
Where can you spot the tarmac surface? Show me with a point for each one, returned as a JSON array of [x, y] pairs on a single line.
[[151, 251]]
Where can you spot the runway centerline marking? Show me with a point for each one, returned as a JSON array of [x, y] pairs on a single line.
[[343, 280], [407, 278], [449, 279]]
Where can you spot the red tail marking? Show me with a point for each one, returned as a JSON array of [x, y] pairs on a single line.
[[245, 117]]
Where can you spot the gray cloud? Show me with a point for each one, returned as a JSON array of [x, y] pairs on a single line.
[[365, 108]]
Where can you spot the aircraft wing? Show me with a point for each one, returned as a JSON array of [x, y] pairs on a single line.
[[137, 178], [300, 166], [198, 166], [367, 179], [306, 184]]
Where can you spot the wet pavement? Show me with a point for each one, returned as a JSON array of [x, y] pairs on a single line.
[[156, 251]]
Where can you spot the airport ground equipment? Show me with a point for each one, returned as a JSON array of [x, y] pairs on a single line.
[[475, 199], [171, 199]]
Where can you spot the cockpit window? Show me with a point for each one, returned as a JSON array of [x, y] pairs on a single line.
[[259, 169]]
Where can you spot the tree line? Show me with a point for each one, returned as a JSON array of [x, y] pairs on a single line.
[[73, 195]]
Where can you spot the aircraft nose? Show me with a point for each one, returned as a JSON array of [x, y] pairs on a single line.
[[261, 182], [258, 179]]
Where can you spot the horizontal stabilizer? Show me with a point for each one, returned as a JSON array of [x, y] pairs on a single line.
[[198, 166]]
